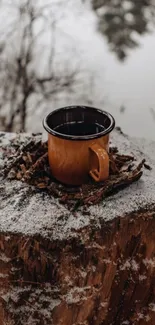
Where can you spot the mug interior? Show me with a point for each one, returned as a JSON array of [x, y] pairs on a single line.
[[101, 122]]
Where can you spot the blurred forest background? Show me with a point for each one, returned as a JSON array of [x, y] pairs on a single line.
[[55, 53]]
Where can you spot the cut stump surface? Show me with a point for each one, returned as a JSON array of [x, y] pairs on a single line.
[[93, 266]]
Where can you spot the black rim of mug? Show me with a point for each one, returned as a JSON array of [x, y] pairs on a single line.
[[83, 137]]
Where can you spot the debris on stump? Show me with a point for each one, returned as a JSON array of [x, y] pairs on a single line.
[[30, 165]]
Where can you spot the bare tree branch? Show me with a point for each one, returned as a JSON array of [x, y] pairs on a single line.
[[21, 76]]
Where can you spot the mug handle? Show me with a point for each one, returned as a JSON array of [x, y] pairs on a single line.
[[101, 172]]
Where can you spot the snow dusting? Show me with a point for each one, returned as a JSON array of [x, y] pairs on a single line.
[[152, 307], [130, 264], [38, 302], [28, 212], [149, 262], [76, 294], [4, 258]]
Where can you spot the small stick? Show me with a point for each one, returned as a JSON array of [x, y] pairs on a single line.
[[36, 166]]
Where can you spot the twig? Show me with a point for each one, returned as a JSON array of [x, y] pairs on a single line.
[[39, 164]]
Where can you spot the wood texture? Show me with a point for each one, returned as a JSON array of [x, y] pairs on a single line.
[[101, 272], [104, 276]]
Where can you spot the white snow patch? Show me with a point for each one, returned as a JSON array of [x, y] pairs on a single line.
[[36, 302], [93, 268], [104, 304], [3, 276], [130, 264], [107, 261], [152, 307], [134, 265], [147, 318], [149, 262], [142, 277], [140, 316], [83, 273], [4, 258], [76, 294], [125, 266]]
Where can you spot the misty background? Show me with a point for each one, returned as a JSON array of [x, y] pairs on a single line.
[[94, 52]]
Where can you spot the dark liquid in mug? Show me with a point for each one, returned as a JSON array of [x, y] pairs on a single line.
[[79, 129]]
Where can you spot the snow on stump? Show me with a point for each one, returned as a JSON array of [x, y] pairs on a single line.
[[71, 261]]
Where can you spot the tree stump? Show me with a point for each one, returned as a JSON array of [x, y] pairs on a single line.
[[87, 267]]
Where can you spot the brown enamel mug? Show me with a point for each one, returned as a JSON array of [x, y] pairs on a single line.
[[78, 143]]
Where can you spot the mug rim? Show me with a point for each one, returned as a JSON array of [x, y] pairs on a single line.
[[81, 137]]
